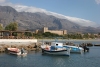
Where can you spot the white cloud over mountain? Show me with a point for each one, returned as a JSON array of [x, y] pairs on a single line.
[[23, 8], [2, 1], [97, 1]]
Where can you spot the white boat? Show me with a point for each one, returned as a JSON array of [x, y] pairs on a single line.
[[16, 51], [74, 49], [55, 48]]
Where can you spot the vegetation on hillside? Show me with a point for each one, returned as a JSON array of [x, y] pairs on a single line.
[[13, 26], [46, 35], [1, 27], [49, 35]]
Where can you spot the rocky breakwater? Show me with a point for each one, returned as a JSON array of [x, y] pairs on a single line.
[[27, 47]]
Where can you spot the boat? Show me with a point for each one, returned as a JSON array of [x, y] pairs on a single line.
[[86, 49], [56, 48], [16, 51], [74, 49]]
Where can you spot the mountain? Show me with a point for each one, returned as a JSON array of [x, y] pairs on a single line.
[[37, 20]]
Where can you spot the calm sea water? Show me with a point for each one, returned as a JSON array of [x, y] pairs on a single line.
[[36, 59], [74, 41]]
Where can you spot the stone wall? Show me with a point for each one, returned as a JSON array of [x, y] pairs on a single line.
[[59, 32]]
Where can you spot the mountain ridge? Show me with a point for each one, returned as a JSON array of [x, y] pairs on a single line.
[[38, 20], [32, 9]]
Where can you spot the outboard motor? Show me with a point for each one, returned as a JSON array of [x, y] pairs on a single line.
[[85, 48]]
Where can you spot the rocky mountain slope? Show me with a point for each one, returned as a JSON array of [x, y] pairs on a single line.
[[32, 21]]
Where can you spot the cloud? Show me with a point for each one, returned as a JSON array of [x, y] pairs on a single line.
[[97, 1], [2, 1], [82, 22], [23, 8], [79, 21]]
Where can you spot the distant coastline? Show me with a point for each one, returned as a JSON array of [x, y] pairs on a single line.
[[69, 39]]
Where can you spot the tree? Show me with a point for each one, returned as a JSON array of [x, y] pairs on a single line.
[[92, 36], [48, 34], [13, 26], [1, 27], [28, 34], [86, 36]]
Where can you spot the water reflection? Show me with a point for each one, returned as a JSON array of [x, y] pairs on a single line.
[[36, 59]]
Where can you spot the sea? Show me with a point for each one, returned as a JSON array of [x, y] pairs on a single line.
[[37, 59]]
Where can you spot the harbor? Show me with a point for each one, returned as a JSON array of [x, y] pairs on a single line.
[[46, 33], [36, 59], [30, 44]]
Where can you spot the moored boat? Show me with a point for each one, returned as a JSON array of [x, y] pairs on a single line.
[[74, 49], [16, 51], [55, 48]]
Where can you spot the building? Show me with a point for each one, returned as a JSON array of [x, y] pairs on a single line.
[[45, 29]]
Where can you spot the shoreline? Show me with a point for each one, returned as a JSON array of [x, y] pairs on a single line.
[[31, 41], [30, 45], [69, 39], [27, 44]]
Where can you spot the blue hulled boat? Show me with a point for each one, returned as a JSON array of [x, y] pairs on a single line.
[[74, 49], [55, 48]]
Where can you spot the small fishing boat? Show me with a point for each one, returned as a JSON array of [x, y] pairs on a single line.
[[74, 49], [16, 51], [55, 48]]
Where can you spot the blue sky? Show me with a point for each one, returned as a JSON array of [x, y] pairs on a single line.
[[85, 9]]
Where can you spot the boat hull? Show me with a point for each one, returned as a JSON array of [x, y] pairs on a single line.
[[18, 54], [74, 49], [60, 52], [16, 51]]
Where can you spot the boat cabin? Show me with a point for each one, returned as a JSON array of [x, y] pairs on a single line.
[[56, 44]]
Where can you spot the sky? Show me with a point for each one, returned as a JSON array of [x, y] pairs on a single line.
[[84, 9]]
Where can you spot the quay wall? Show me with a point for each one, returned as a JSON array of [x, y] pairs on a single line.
[[27, 44], [17, 41]]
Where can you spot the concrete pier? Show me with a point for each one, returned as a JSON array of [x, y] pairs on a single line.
[[17, 41]]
